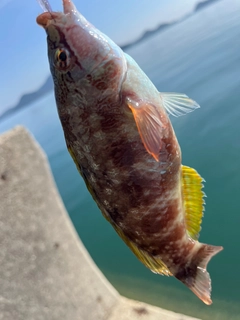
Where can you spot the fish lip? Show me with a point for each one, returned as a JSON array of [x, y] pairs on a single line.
[[44, 18], [68, 9]]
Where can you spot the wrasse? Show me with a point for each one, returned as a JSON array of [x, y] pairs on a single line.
[[119, 135]]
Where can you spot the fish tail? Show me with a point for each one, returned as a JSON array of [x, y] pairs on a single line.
[[194, 274]]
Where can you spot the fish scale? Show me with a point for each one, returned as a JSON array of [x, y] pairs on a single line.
[[120, 137]]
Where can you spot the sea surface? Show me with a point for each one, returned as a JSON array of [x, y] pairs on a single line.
[[200, 57]]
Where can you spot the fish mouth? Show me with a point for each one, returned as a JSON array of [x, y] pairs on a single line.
[[45, 18]]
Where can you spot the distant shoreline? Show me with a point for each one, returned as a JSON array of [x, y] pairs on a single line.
[[163, 26]]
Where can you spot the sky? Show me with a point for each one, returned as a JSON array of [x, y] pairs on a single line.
[[23, 54]]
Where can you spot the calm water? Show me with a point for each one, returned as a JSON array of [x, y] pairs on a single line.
[[200, 57]]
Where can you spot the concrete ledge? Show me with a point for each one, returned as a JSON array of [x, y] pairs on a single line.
[[45, 271]]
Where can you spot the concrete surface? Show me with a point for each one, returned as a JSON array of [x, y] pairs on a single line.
[[45, 271]]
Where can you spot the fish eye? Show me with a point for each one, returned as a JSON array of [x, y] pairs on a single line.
[[62, 58]]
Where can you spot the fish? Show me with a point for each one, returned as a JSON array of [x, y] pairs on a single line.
[[118, 131]]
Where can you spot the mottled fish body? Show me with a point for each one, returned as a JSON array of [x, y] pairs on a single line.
[[118, 132]]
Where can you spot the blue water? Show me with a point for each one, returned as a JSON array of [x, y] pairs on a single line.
[[199, 57]]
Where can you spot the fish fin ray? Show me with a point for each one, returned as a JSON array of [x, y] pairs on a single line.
[[149, 124], [153, 263], [199, 280], [192, 184], [178, 104]]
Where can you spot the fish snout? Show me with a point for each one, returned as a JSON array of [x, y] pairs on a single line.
[[44, 19]]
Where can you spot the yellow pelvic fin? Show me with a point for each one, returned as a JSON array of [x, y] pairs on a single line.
[[192, 184], [153, 263]]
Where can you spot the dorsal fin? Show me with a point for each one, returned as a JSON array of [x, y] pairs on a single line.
[[152, 262], [193, 200]]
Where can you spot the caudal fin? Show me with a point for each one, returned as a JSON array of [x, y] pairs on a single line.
[[195, 275]]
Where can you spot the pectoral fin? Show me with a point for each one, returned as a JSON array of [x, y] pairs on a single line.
[[178, 104], [193, 200], [149, 124]]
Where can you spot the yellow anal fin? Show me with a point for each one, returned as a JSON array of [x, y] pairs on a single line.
[[192, 184], [153, 263]]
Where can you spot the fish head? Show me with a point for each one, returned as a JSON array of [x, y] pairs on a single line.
[[79, 52]]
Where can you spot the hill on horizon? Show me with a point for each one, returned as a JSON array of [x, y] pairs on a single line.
[[148, 33]]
